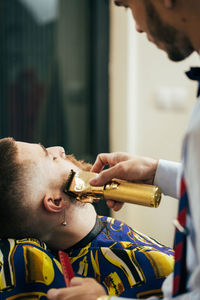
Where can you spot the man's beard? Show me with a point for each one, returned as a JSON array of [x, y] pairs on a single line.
[[176, 44], [76, 202], [82, 165]]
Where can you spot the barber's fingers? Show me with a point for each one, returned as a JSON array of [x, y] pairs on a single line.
[[118, 171], [58, 294], [101, 161], [69, 293], [77, 281], [131, 168], [110, 159], [65, 293], [114, 205], [80, 288]]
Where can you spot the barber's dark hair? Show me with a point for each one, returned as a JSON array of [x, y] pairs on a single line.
[[10, 189]]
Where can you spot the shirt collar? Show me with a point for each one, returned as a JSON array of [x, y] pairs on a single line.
[[194, 74]]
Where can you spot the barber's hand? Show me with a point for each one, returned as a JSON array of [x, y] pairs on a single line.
[[123, 166], [80, 289]]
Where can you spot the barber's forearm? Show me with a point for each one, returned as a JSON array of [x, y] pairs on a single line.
[[167, 177]]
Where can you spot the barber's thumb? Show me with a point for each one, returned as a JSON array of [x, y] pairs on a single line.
[[52, 293], [95, 181], [101, 179], [104, 177]]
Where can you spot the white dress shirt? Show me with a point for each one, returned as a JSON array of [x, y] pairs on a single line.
[[168, 178]]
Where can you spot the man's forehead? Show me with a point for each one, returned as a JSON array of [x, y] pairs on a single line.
[[27, 146], [27, 150]]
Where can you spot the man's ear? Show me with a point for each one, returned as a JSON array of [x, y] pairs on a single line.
[[54, 204]]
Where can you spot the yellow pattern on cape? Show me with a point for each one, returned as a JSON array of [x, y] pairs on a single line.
[[3, 284], [162, 264], [83, 267], [95, 264], [114, 284], [38, 266], [27, 296], [116, 261], [82, 252]]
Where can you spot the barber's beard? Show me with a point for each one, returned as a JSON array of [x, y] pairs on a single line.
[[175, 43]]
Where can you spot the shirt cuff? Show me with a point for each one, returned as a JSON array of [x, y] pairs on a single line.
[[167, 177]]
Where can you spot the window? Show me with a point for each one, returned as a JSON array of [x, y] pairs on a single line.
[[54, 73]]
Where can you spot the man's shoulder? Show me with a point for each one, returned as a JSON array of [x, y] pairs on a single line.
[[117, 234], [26, 262], [25, 241]]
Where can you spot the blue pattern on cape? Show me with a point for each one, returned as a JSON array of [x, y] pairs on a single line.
[[126, 262], [27, 270]]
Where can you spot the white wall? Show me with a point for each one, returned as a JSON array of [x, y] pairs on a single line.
[[137, 125]]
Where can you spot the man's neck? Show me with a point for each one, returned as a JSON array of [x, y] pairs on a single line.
[[80, 221]]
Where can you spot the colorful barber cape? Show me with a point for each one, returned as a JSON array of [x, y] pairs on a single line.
[[27, 270], [126, 262]]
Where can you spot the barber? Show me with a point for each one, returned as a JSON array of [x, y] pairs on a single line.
[[174, 26]]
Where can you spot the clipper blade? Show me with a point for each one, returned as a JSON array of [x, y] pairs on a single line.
[[78, 187], [68, 184]]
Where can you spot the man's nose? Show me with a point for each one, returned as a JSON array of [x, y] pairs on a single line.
[[137, 27]]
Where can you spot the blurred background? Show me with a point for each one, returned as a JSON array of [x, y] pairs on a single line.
[[150, 103], [75, 73], [54, 74]]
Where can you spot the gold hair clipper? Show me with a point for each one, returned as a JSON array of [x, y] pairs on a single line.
[[78, 187]]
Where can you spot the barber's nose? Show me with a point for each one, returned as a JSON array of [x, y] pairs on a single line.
[[57, 150], [138, 28]]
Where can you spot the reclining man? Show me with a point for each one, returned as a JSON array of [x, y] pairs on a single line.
[[33, 205]]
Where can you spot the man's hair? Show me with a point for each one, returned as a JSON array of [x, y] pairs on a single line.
[[14, 179], [11, 191]]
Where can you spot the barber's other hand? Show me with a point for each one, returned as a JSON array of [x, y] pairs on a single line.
[[123, 166], [80, 289]]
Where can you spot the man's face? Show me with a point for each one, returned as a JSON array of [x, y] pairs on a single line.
[[153, 21], [52, 167]]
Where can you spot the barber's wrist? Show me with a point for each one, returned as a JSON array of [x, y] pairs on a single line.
[[104, 297]]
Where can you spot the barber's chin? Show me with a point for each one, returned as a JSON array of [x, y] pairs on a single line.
[[177, 56], [172, 54]]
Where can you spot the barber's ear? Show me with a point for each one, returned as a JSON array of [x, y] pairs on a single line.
[[54, 204], [169, 3]]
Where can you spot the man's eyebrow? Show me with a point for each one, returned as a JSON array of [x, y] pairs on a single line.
[[44, 149]]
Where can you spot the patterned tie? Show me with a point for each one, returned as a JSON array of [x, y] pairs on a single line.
[[180, 271]]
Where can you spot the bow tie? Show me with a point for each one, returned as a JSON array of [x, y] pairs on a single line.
[[194, 74]]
